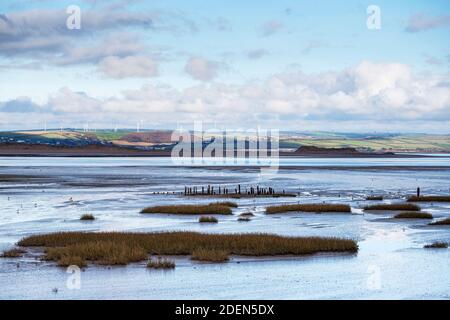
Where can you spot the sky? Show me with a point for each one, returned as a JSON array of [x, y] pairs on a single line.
[[288, 65]]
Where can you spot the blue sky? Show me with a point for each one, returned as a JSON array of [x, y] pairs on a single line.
[[300, 65]]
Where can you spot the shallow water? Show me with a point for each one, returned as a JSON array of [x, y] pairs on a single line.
[[433, 160], [391, 262]]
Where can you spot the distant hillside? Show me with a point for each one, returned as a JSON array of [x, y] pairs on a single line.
[[149, 137], [62, 138], [289, 141], [75, 138], [398, 143], [20, 149]]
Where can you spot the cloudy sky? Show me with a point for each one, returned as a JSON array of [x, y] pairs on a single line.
[[297, 65]]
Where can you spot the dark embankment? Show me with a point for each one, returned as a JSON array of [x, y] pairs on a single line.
[[374, 198], [413, 215], [313, 151], [437, 245], [87, 217], [210, 255], [429, 199], [445, 222], [393, 207]]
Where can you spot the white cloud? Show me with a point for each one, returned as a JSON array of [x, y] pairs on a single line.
[[67, 101], [201, 69], [271, 27], [372, 78], [42, 35], [120, 45], [369, 92], [127, 67]]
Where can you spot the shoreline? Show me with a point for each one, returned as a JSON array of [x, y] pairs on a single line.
[[163, 154], [103, 151]]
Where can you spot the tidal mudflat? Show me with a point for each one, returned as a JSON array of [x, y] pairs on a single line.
[[46, 195]]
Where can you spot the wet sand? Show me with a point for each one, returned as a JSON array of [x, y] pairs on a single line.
[[391, 262]]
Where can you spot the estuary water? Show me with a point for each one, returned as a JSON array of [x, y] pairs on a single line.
[[41, 195]]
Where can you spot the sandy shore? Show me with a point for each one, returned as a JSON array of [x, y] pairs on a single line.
[[50, 195]]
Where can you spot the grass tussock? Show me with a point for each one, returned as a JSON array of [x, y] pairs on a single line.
[[13, 253], [445, 222], [87, 217], [194, 209], [66, 261], [247, 214], [205, 219], [115, 248], [244, 219], [394, 207], [227, 204], [100, 252], [413, 215], [437, 245], [161, 263], [313, 207], [429, 199], [210, 255], [379, 198]]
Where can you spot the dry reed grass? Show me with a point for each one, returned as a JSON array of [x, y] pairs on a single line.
[[429, 199], [211, 255], [394, 207], [437, 245], [191, 209], [87, 217], [413, 215], [311, 207], [227, 204], [120, 248], [12, 253], [205, 219], [379, 198]]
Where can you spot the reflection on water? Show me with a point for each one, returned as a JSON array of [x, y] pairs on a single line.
[[161, 161]]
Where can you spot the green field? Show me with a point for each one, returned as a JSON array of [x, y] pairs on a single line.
[[109, 135], [398, 143]]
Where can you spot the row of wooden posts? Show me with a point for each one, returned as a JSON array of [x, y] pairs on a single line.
[[210, 190]]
